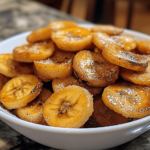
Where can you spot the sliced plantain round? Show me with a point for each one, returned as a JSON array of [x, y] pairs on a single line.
[[35, 51], [94, 70], [33, 111], [19, 91], [70, 107], [130, 100], [12, 68]]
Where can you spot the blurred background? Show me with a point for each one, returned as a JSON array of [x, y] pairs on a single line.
[[131, 14]]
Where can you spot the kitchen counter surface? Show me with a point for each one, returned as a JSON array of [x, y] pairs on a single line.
[[18, 16]]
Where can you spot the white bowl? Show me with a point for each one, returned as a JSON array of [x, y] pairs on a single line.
[[73, 139]]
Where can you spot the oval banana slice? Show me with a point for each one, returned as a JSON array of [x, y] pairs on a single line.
[[35, 51], [20, 90], [94, 70], [143, 46], [33, 111], [130, 100], [108, 29], [70, 107], [72, 39], [11, 68]]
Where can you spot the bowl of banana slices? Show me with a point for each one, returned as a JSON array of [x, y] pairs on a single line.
[[71, 86]]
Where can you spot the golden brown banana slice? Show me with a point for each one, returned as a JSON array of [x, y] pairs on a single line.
[[108, 29], [126, 41], [143, 46], [20, 90], [94, 70], [72, 39], [70, 107], [59, 84], [39, 35], [130, 100], [57, 66], [55, 26], [117, 55], [33, 111], [3, 80], [104, 116], [35, 51], [11, 68]]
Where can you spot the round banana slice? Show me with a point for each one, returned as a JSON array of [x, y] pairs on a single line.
[[143, 46], [126, 41], [94, 70], [33, 111], [108, 29], [35, 51], [39, 35], [57, 66], [117, 55], [20, 90], [70, 107], [11, 68], [72, 39], [59, 84], [130, 100], [3, 80], [55, 26]]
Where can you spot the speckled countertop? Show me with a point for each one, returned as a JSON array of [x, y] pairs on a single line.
[[17, 16]]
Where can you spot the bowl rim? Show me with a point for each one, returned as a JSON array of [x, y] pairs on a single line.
[[59, 130]]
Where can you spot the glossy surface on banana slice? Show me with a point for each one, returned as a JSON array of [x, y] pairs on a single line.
[[70, 107], [11, 68], [21, 90], [33, 111]]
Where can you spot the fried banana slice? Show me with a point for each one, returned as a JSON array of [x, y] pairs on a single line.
[[11, 68], [104, 116], [130, 100], [108, 29], [143, 46], [94, 70], [35, 51], [57, 66], [3, 80], [19, 91], [33, 111], [72, 39], [126, 41], [59, 84], [117, 55], [39, 35], [55, 26], [70, 107]]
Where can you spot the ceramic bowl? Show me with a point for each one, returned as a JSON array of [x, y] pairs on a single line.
[[73, 139]]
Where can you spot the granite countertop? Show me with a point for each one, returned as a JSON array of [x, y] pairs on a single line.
[[18, 16]]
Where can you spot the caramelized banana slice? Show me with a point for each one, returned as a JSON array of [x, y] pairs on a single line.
[[137, 77], [117, 55], [108, 29], [94, 70], [72, 39], [39, 35], [33, 111], [70, 107], [126, 41], [143, 46], [104, 116], [58, 66], [59, 84], [11, 68], [130, 100], [20, 90], [55, 26], [3, 80], [35, 51]]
